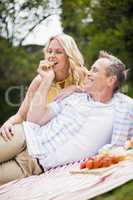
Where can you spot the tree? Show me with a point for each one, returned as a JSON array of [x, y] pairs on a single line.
[[17, 69], [111, 28], [75, 18], [18, 65], [19, 18]]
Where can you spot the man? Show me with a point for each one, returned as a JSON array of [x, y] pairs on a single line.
[[71, 129]]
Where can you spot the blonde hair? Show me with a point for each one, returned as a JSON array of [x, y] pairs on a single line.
[[75, 57], [116, 67]]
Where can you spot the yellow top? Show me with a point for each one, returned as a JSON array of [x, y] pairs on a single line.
[[58, 86]]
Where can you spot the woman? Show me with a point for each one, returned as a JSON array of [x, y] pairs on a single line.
[[67, 63]]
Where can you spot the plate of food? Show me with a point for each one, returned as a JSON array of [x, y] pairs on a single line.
[[98, 164]]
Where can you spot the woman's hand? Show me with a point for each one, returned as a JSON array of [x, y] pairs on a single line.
[[6, 131], [44, 66], [67, 92]]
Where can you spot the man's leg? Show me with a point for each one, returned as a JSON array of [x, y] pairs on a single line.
[[19, 167], [9, 149], [29, 165], [10, 171]]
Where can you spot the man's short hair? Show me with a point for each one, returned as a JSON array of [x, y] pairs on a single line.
[[116, 67]]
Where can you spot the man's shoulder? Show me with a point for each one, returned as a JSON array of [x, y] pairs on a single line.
[[76, 96], [123, 103], [123, 98]]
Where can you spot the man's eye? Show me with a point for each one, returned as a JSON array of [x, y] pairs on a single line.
[[94, 70]]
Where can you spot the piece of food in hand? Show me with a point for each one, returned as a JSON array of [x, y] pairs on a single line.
[[50, 64]]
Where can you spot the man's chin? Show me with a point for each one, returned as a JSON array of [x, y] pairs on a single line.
[[88, 88]]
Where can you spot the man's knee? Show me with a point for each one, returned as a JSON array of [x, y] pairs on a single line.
[[21, 166], [29, 165], [19, 136]]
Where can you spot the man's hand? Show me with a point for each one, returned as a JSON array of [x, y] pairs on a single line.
[[6, 131]]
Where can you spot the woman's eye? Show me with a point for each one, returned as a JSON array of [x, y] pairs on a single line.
[[58, 51], [49, 52], [55, 52]]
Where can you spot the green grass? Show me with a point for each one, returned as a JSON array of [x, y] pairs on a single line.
[[124, 192]]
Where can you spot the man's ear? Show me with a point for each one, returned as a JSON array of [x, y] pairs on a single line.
[[112, 80]]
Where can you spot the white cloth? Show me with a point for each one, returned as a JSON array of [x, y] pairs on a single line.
[[60, 184], [80, 128]]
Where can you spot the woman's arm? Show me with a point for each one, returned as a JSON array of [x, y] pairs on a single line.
[[7, 128], [39, 112], [68, 91]]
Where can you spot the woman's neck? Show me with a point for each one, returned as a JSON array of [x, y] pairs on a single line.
[[61, 76]]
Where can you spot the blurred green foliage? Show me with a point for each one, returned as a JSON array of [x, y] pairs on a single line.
[[109, 28], [17, 68], [18, 64], [123, 192]]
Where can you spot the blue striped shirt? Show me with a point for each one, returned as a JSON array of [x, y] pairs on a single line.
[[123, 121], [71, 115]]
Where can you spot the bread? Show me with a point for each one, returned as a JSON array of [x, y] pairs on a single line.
[[50, 64]]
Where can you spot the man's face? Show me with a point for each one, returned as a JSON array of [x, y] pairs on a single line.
[[97, 80]]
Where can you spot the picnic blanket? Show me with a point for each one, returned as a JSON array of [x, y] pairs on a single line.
[[67, 182]]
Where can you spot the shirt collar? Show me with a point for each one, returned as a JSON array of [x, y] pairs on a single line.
[[69, 80]]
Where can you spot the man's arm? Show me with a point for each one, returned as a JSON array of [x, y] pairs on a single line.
[[39, 112]]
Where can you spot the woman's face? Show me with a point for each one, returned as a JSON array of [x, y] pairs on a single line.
[[56, 53]]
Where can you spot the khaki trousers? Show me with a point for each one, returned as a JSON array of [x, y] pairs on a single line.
[[15, 163]]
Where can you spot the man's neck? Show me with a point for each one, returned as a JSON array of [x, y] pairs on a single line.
[[101, 96]]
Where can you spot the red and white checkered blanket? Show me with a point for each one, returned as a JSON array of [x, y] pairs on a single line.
[[67, 182]]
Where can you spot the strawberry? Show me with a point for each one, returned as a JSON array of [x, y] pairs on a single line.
[[83, 165], [89, 164]]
